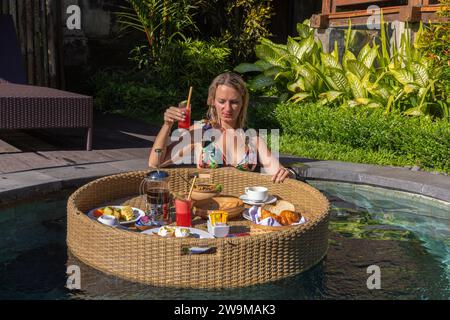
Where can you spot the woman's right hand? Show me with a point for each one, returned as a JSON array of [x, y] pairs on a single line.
[[174, 114]]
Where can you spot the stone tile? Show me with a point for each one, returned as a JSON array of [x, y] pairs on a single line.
[[329, 174], [22, 184], [436, 192], [391, 182], [131, 165], [78, 175]]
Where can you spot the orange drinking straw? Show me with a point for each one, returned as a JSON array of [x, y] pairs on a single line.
[[188, 107]]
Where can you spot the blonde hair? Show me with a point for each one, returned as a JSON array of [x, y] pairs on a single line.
[[235, 81]]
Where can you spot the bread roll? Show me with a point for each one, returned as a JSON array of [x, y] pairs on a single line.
[[281, 206]]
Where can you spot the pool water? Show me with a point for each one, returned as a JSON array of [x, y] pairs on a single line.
[[407, 236]]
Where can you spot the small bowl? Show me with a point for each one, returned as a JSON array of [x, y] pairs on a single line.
[[108, 220], [219, 230]]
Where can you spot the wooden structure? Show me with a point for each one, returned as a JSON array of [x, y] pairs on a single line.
[[39, 29], [337, 13]]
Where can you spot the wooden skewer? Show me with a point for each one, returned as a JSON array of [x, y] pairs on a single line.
[[192, 188]]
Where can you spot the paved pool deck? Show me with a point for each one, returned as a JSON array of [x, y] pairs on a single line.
[[32, 162]]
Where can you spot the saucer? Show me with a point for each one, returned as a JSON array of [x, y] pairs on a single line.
[[269, 200]]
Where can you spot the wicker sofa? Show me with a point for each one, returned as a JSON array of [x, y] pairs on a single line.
[[32, 107]]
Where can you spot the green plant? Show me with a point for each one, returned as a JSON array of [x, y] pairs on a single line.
[[403, 81], [435, 41], [241, 23], [195, 62], [150, 88], [363, 135], [159, 20]]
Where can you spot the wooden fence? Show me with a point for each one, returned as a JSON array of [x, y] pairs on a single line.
[[337, 13], [39, 30]]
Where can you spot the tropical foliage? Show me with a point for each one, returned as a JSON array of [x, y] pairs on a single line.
[[401, 78], [160, 20], [149, 88], [240, 22], [361, 135]]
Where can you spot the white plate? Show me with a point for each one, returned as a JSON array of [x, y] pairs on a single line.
[[270, 199], [138, 213], [196, 232]]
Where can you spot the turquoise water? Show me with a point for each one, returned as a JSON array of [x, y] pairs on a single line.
[[407, 236]]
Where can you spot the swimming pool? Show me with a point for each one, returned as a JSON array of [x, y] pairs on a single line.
[[407, 236]]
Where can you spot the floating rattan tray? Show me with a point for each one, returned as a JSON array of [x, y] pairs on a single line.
[[262, 257]]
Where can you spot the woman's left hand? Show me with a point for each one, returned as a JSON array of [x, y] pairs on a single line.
[[281, 175]]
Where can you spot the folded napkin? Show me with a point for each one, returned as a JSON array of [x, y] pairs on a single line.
[[270, 222]]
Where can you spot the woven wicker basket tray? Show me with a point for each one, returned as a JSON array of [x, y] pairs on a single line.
[[262, 257]]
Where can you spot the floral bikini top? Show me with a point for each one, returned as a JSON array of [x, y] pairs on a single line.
[[212, 156]]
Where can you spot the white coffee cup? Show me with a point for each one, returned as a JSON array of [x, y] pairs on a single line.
[[108, 220], [257, 193]]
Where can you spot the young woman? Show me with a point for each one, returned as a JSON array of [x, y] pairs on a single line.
[[224, 131]]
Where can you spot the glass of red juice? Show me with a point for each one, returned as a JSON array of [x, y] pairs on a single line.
[[186, 124], [183, 212]]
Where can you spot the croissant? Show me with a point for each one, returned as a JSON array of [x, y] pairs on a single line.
[[267, 214], [289, 217]]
